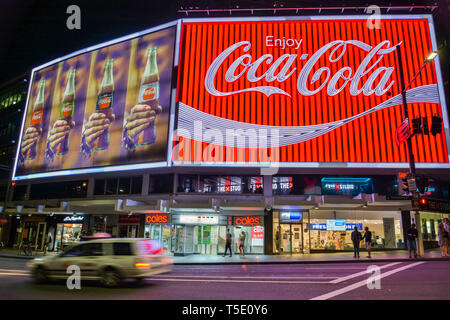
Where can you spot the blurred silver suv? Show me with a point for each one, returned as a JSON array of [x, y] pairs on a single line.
[[108, 260]]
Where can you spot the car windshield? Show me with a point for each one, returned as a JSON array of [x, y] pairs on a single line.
[[148, 247]]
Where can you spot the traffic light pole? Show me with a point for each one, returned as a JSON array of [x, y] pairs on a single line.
[[412, 164]]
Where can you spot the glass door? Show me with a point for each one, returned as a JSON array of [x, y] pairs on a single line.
[[40, 238], [286, 238], [291, 238]]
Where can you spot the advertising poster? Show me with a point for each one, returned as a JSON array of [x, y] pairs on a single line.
[[101, 108], [258, 236], [307, 92]]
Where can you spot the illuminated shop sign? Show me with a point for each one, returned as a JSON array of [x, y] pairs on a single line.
[[73, 218], [247, 221], [291, 217], [350, 186], [348, 226], [157, 218], [336, 225], [190, 219]]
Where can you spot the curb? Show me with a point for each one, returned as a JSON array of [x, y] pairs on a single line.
[[310, 262], [253, 262]]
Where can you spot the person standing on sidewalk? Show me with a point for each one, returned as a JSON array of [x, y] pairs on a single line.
[[242, 243], [412, 234], [443, 239], [356, 239], [228, 243], [367, 240]]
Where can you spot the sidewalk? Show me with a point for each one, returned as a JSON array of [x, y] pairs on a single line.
[[338, 257]]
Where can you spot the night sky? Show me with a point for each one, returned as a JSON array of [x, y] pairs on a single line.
[[33, 32]]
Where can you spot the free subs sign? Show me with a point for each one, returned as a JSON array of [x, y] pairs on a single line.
[[157, 218]]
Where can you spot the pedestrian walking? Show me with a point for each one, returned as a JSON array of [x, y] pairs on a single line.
[[368, 240], [356, 239], [242, 243], [447, 225], [412, 235], [228, 243], [48, 242], [443, 239]]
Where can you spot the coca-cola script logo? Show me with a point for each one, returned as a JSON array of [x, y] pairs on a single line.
[[37, 117], [149, 93], [378, 80], [67, 110], [105, 102]]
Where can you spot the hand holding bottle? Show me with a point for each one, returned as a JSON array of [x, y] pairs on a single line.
[[97, 124], [58, 133], [141, 116], [30, 139]]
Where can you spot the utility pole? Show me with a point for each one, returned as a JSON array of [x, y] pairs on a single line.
[[412, 164]]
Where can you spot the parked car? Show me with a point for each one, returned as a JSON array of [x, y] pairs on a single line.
[[107, 260]]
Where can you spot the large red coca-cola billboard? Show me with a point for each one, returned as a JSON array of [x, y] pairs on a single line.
[[306, 92]]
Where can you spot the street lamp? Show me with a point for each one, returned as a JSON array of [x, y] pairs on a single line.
[[412, 164]]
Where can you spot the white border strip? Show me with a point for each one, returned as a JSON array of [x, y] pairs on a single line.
[[91, 170], [173, 105]]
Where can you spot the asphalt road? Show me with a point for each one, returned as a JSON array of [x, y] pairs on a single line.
[[399, 280]]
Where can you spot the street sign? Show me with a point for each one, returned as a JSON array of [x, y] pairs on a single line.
[[412, 185], [403, 132]]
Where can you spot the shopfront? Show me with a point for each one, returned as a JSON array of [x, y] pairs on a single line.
[[253, 229], [32, 228], [68, 231], [158, 227], [288, 230], [128, 226], [206, 234], [331, 230], [429, 224]]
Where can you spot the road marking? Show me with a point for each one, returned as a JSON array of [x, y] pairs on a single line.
[[13, 274], [240, 277], [237, 281], [345, 278], [362, 283]]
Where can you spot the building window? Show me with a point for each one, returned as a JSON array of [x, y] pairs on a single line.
[[99, 187], [136, 185], [161, 183]]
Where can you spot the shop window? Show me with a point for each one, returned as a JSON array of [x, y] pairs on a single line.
[[111, 186], [136, 185], [162, 183], [188, 183], [99, 187], [124, 185], [59, 190], [122, 249]]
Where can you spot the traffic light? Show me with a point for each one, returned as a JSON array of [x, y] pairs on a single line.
[[436, 125], [416, 126], [425, 125], [403, 183]]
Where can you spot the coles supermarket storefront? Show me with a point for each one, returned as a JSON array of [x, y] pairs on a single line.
[[206, 233]]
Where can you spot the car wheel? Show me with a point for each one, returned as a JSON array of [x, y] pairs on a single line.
[[40, 274], [110, 278]]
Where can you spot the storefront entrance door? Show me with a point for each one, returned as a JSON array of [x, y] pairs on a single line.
[[40, 238], [291, 238]]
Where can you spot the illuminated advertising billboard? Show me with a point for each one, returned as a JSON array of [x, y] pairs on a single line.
[[101, 109], [306, 92]]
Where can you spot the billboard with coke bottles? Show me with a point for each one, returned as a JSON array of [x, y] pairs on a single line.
[[105, 106]]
